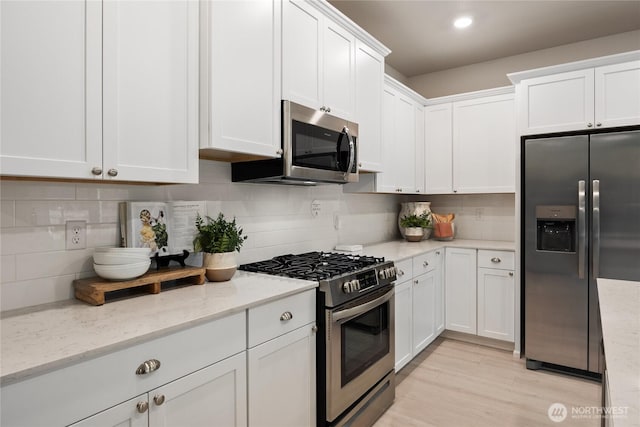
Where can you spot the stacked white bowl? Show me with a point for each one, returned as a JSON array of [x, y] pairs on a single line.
[[121, 263]]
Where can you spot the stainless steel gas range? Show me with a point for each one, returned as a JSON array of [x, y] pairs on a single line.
[[355, 341]]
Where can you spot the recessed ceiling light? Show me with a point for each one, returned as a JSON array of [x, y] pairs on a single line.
[[463, 22]]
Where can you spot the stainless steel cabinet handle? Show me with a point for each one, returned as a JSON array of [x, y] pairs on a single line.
[[511, 273], [589, 125], [322, 108], [286, 316], [96, 171], [495, 260], [112, 172], [582, 229], [416, 281], [596, 227], [400, 273], [142, 407], [598, 124], [158, 399], [148, 366], [314, 329], [437, 252], [279, 151], [425, 264], [359, 164], [328, 109]]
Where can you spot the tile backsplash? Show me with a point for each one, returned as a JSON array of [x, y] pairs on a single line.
[[35, 267]]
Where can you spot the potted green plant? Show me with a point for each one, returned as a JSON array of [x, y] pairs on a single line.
[[220, 241], [414, 226]]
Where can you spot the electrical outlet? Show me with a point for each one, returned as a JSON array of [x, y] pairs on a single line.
[[76, 235]]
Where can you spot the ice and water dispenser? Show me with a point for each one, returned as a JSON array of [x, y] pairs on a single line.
[[556, 228]]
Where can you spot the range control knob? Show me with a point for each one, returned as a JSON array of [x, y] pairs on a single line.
[[355, 284], [382, 274]]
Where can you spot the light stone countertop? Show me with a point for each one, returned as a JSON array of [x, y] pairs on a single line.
[[398, 250], [620, 316], [50, 337]]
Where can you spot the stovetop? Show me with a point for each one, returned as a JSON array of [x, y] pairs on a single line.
[[341, 277], [312, 265]]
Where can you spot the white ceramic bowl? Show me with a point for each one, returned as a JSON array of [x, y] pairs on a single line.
[[116, 258], [129, 251], [123, 271]]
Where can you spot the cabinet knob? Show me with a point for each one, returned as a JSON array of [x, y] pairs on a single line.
[[400, 273], [158, 399], [286, 316], [511, 273], [314, 329], [148, 367], [455, 191], [328, 109], [437, 252], [142, 407], [589, 125], [96, 171], [279, 152], [359, 164], [425, 264], [323, 108], [495, 260], [598, 124], [416, 282], [417, 190], [112, 172]]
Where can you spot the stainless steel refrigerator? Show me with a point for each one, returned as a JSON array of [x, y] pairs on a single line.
[[581, 216]]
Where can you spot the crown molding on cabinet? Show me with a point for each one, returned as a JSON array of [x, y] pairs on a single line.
[[405, 89], [575, 66], [470, 95]]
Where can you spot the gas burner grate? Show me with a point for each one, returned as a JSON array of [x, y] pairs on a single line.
[[312, 265]]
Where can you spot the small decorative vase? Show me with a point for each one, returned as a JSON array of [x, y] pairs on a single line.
[[415, 208], [220, 267], [413, 234]]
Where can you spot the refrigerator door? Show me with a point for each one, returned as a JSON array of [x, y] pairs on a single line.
[[556, 288], [615, 221]]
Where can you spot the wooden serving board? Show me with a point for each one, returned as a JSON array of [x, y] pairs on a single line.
[[93, 289]]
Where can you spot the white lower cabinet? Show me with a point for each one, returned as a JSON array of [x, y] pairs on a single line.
[[460, 271], [215, 396], [419, 305]]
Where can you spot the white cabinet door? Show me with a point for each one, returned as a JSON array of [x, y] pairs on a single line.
[[439, 299], [368, 107], [404, 322], [302, 27], [282, 386], [212, 396], [617, 96], [240, 76], [438, 142], [557, 103], [50, 108], [403, 145], [484, 141], [124, 414], [424, 316], [386, 181], [419, 149], [338, 70], [460, 272], [496, 299], [150, 91]]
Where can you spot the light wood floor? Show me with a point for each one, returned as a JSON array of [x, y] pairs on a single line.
[[457, 384]]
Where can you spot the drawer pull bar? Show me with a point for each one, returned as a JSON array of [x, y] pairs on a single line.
[[495, 259], [286, 316], [148, 366]]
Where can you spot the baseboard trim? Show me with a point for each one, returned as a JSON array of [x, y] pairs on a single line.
[[474, 339]]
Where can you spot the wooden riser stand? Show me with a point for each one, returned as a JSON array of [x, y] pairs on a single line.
[[93, 289]]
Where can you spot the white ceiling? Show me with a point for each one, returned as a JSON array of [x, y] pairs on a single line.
[[423, 40]]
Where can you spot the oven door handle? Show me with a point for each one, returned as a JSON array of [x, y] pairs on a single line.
[[350, 313]]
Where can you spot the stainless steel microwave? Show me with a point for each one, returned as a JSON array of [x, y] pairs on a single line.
[[316, 147]]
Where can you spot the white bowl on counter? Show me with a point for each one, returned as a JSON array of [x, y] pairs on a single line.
[[115, 258], [129, 251], [122, 271]]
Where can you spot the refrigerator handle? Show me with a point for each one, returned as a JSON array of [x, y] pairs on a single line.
[[596, 228], [582, 228]]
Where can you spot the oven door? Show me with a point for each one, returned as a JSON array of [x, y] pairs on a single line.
[[360, 341]]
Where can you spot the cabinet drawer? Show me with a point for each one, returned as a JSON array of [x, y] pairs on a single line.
[[502, 260], [69, 394], [404, 270], [270, 320], [426, 262]]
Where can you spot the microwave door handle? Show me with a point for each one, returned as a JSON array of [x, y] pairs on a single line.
[[350, 313], [352, 151]]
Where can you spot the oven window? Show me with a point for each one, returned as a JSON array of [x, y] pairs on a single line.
[[365, 340], [319, 148]]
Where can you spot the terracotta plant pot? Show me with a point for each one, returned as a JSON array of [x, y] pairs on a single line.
[[220, 267]]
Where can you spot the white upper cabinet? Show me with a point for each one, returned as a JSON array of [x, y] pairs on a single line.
[[50, 108], [438, 121], [419, 152], [617, 96], [318, 60], [484, 141], [368, 112], [150, 90], [596, 93], [105, 90], [240, 72]]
